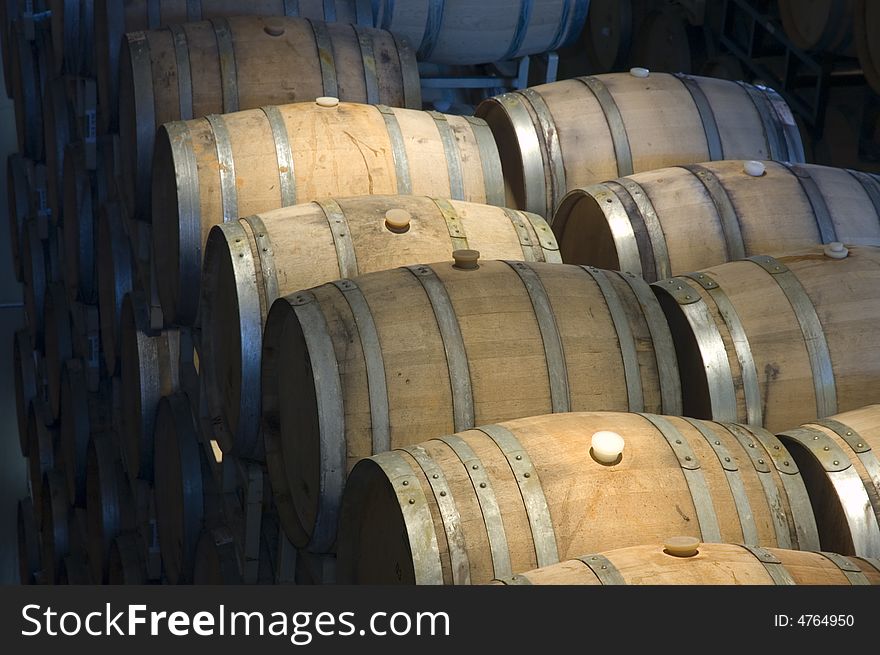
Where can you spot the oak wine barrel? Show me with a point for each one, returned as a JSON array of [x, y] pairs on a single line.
[[28, 81], [83, 414], [86, 331], [19, 172], [29, 381], [28, 542], [345, 149], [301, 247], [685, 561], [838, 458], [58, 343], [72, 28], [820, 25], [866, 26], [503, 499], [228, 65], [778, 341], [115, 278], [109, 503], [114, 19], [675, 220], [55, 525], [217, 559], [147, 530], [126, 564], [42, 453], [74, 570], [609, 33], [80, 205], [35, 261], [10, 12], [566, 135], [59, 130], [464, 33], [149, 369], [388, 359]]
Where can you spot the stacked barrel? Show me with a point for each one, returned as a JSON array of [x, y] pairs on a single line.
[[285, 326]]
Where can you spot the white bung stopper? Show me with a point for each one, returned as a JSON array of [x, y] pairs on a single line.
[[754, 168], [327, 101], [638, 71], [682, 546], [397, 220], [607, 447], [836, 250]]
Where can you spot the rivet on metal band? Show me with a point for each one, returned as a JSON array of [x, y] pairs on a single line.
[[628, 350], [853, 573], [730, 227], [184, 72], [450, 150], [544, 237], [534, 500], [453, 345], [622, 231], [696, 481], [814, 336], [734, 481], [774, 567], [432, 29], [186, 174], [522, 25], [805, 532], [226, 165], [707, 116], [643, 242], [531, 251], [345, 254], [773, 136], [616, 126], [663, 268], [824, 222], [266, 254], [722, 393], [291, 7], [859, 446], [488, 503], [416, 516], [740, 339], [228, 70], [493, 177], [193, 11], [449, 514], [398, 150], [871, 185], [550, 137], [371, 78], [534, 180], [661, 337], [409, 71], [284, 155], [331, 421], [142, 73], [330, 11], [603, 569], [453, 224], [374, 362], [325, 57], [554, 354]]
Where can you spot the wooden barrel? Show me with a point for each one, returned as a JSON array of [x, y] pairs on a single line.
[[245, 63], [183, 487], [55, 527], [34, 270], [609, 33], [59, 344], [838, 457], [217, 560], [149, 371], [115, 277], [59, 130], [78, 528], [777, 342], [19, 172], [74, 570], [509, 498], [109, 503], [460, 32], [83, 414], [347, 150], [728, 67], [42, 444], [73, 39], [28, 542], [80, 205], [687, 562], [28, 382], [126, 564], [820, 25], [147, 529], [27, 92], [113, 20], [86, 332], [433, 349], [9, 13], [631, 124], [676, 220], [866, 26], [298, 248], [666, 43]]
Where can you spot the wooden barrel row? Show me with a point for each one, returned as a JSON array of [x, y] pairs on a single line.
[[501, 500]]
